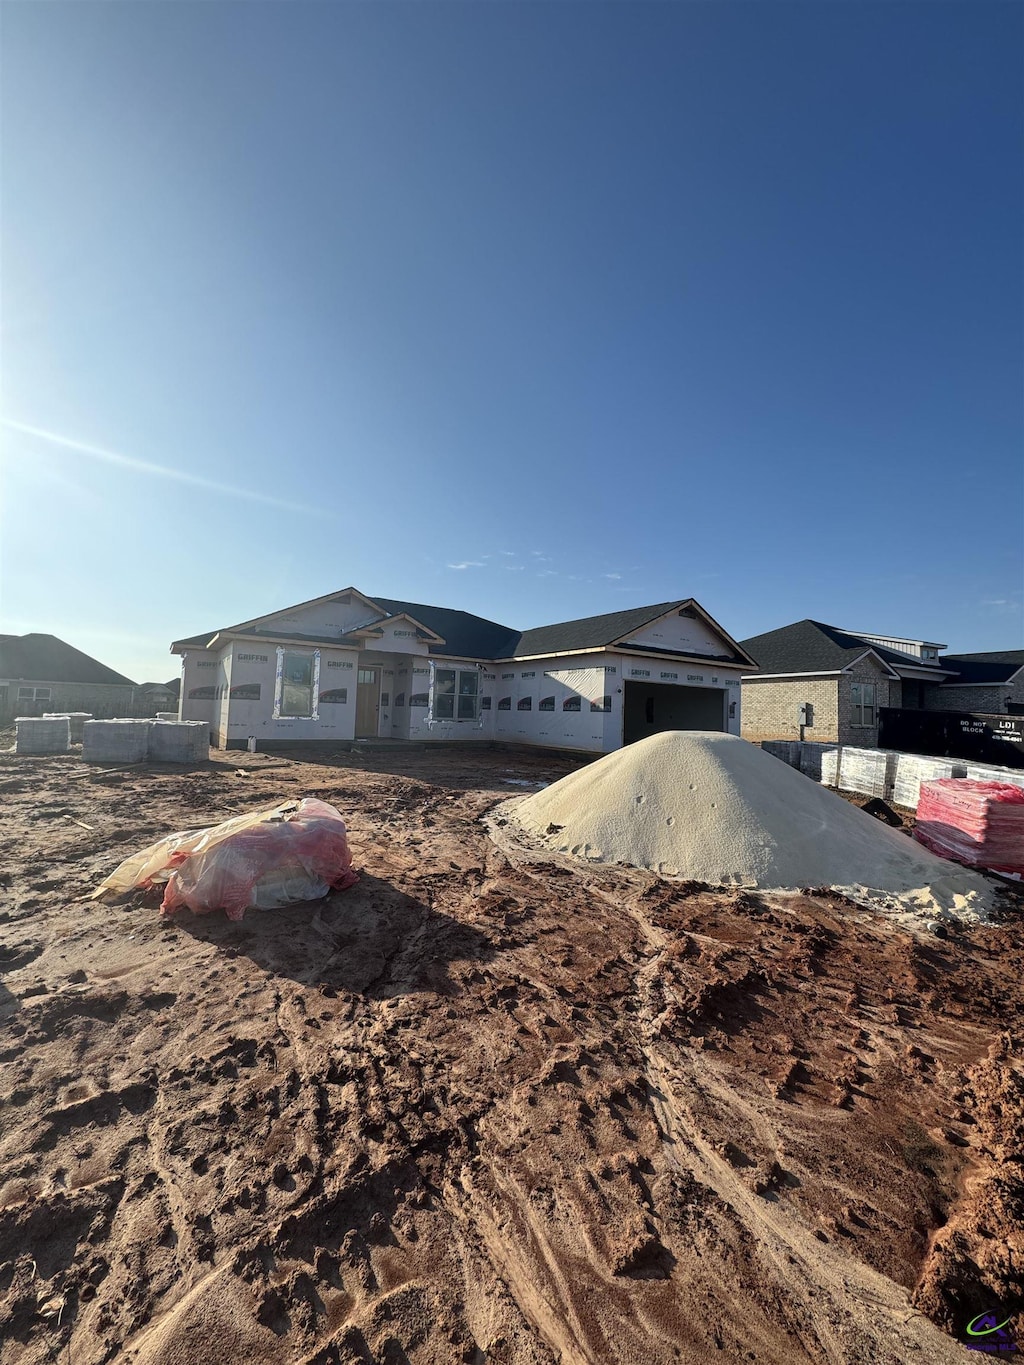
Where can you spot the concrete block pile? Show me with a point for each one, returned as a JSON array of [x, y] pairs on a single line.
[[42, 734], [77, 719], [185, 741], [116, 741], [868, 772]]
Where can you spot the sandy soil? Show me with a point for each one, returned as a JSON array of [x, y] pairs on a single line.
[[484, 1106]]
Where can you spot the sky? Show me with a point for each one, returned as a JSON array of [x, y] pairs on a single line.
[[536, 310]]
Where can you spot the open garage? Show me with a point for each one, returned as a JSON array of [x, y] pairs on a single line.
[[652, 707]]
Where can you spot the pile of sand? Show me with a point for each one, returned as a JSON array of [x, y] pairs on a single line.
[[712, 808]]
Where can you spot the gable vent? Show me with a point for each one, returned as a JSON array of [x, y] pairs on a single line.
[[689, 613]]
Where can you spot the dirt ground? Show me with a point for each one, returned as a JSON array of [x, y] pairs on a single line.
[[483, 1107]]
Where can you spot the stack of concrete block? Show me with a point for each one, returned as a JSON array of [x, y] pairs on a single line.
[[809, 761], [868, 772], [984, 772], [116, 741], [42, 734], [830, 768], [913, 769], [77, 719], [786, 749], [185, 741]]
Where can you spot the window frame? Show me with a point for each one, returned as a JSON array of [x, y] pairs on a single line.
[[280, 683], [863, 700], [462, 696]]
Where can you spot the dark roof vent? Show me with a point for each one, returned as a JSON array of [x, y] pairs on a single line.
[[689, 613]]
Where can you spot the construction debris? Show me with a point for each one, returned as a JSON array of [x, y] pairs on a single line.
[[295, 852]]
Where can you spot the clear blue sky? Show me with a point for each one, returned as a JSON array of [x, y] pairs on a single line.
[[538, 310]]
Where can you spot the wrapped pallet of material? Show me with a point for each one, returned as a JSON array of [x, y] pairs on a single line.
[[868, 772], [980, 824], [810, 756], [42, 734], [986, 772], [912, 770], [830, 767], [116, 741], [77, 719], [179, 741], [167, 715]]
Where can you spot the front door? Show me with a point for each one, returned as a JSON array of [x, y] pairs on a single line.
[[367, 703]]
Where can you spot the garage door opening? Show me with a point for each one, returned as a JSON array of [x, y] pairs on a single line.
[[653, 707]]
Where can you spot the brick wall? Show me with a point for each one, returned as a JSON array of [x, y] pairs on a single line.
[[986, 701], [771, 708], [888, 692]]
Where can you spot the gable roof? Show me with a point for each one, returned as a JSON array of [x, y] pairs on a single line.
[[813, 647], [998, 666], [463, 635], [45, 658], [598, 632]]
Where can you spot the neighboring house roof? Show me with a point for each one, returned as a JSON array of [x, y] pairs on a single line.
[[465, 636], [170, 688], [996, 667], [813, 647], [44, 658]]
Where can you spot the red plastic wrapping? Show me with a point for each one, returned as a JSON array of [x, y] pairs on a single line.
[[267, 860], [980, 824]]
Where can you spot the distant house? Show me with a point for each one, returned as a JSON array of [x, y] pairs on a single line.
[[819, 682], [42, 673], [153, 697], [348, 666]]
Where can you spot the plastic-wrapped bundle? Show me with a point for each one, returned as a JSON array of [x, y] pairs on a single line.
[[809, 760], [984, 772], [42, 734], [115, 741], [868, 772], [830, 768], [977, 823], [296, 852], [167, 715], [77, 719], [912, 770], [184, 741]]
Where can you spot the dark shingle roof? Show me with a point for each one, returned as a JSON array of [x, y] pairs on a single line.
[[467, 636], [998, 666], [44, 658], [589, 632], [464, 635], [813, 647], [806, 647]]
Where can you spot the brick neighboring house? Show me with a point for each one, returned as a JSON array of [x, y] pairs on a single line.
[[823, 683], [42, 673], [992, 684]]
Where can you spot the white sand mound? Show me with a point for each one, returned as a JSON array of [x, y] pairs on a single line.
[[712, 808]]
